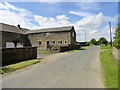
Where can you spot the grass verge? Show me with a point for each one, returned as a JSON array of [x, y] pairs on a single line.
[[16, 66], [43, 51], [71, 50], [103, 46], [110, 69], [81, 48]]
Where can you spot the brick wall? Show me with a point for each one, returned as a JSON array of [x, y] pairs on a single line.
[[116, 53], [14, 55]]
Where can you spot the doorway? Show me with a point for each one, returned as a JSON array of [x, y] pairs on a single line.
[[48, 43]]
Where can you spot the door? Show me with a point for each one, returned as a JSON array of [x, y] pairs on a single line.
[[48, 43]]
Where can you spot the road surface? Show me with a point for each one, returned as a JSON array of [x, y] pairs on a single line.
[[79, 69]]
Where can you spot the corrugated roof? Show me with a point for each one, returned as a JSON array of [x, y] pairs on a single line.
[[56, 29], [12, 28]]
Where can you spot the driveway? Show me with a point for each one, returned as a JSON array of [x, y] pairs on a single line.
[[79, 69]]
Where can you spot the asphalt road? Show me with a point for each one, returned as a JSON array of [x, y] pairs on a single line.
[[79, 69]]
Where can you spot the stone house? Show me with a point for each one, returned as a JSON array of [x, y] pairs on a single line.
[[53, 38], [49, 38], [13, 36]]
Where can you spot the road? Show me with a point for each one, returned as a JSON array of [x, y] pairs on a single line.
[[79, 69]]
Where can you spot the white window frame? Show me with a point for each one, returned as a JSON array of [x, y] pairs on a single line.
[[60, 42], [65, 42], [52, 42], [38, 43]]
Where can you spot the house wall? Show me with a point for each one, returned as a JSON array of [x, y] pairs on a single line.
[[14, 55], [73, 39], [10, 37], [53, 36]]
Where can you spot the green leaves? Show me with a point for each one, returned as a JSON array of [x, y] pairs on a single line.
[[116, 42], [93, 41]]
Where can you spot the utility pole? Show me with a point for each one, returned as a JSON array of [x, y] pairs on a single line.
[[110, 34], [85, 37]]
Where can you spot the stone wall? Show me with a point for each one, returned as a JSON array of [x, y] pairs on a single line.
[[10, 37], [116, 53], [14, 55]]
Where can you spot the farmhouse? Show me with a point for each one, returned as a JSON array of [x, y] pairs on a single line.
[[49, 38]]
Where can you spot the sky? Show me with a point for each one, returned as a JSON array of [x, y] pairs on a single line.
[[90, 18]]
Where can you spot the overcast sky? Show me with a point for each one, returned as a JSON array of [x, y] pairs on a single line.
[[91, 18]]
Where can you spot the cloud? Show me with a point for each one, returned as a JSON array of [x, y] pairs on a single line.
[[60, 20], [10, 14], [93, 32], [81, 13], [88, 25]]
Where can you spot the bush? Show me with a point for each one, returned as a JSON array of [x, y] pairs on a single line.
[[103, 40], [116, 42], [93, 41]]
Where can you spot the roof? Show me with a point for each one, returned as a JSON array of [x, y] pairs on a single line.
[[56, 29], [16, 29], [12, 28]]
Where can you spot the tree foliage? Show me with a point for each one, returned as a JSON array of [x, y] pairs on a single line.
[[102, 40], [116, 42], [93, 41]]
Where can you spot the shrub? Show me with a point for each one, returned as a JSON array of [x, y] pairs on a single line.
[[116, 42], [93, 41]]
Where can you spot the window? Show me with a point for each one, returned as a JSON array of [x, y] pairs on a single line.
[[39, 43], [19, 44], [52, 42], [65, 42], [10, 45], [73, 34], [48, 34], [59, 42]]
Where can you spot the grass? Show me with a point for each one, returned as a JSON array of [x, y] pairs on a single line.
[[16, 66], [84, 47], [43, 51], [71, 50], [110, 69], [81, 48], [103, 46], [91, 45]]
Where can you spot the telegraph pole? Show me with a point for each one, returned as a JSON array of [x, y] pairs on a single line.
[[110, 34], [85, 37]]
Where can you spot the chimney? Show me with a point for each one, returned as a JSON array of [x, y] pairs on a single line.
[[19, 26]]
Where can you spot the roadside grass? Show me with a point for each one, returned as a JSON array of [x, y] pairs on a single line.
[[13, 67], [103, 46], [91, 45], [71, 50], [81, 48], [110, 69], [43, 51], [84, 47]]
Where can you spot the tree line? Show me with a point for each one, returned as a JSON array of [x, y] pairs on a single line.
[[103, 40]]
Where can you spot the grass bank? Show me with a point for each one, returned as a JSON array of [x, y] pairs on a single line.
[[43, 51], [103, 46], [71, 50], [16, 66], [110, 69]]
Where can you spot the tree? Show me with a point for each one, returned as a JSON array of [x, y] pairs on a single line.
[[116, 42], [103, 40], [93, 41]]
